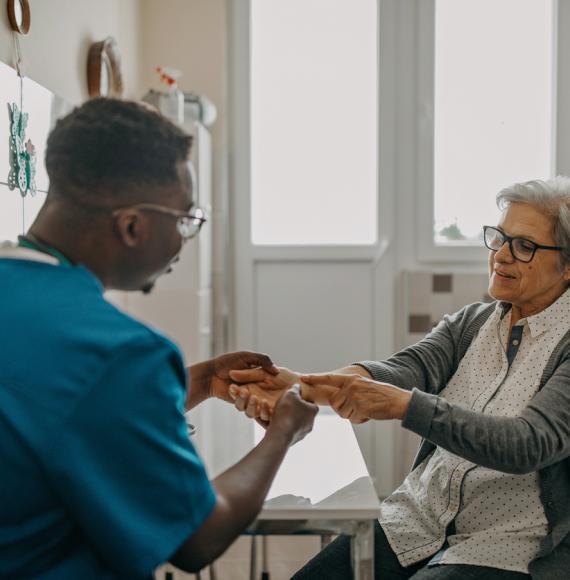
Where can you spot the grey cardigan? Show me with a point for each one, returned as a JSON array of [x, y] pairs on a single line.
[[536, 440]]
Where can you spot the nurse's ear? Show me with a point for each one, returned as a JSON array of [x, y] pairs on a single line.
[[132, 226]]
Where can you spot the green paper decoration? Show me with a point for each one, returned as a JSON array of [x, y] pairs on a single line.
[[22, 154]]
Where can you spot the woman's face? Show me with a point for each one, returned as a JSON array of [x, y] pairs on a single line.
[[533, 286]]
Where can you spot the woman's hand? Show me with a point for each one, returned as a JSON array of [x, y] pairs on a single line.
[[358, 398], [259, 391]]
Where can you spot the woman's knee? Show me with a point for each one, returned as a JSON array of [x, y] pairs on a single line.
[[333, 562]]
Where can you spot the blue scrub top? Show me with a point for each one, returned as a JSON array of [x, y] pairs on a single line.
[[98, 477]]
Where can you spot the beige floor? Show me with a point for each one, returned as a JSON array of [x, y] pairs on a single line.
[[285, 554]]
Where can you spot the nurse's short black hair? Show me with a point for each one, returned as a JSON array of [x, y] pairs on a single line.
[[110, 150]]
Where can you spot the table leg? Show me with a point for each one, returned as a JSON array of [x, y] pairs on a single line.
[[362, 551], [253, 559]]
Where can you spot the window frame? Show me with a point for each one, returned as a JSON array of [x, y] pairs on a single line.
[[427, 250], [240, 36]]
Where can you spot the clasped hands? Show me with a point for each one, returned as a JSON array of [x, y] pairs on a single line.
[[352, 395], [254, 385]]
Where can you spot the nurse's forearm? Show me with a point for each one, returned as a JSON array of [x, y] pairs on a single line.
[[198, 380], [241, 491]]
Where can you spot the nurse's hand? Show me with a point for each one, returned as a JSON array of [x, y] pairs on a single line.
[[359, 398], [211, 378], [293, 417]]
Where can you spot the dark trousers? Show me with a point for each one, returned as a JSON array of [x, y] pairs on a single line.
[[333, 563]]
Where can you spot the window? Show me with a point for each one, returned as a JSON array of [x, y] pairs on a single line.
[[314, 122], [493, 108]]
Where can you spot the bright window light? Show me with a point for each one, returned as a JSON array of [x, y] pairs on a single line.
[[493, 108], [314, 123]]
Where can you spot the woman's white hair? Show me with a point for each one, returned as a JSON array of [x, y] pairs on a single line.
[[552, 197]]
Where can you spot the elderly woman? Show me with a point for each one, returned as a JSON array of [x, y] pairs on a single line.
[[489, 391]]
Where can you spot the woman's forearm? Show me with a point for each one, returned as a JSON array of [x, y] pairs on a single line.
[[538, 437]]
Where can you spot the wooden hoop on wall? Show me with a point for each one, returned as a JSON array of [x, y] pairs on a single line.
[[23, 26], [104, 55]]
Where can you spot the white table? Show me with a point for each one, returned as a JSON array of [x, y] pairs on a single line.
[[323, 487]]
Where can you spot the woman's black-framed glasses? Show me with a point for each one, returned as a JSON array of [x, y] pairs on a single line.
[[522, 249], [187, 224]]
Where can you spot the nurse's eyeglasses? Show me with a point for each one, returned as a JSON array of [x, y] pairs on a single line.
[[187, 224]]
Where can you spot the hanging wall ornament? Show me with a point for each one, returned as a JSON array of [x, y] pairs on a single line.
[[22, 154], [22, 173], [104, 76], [19, 16]]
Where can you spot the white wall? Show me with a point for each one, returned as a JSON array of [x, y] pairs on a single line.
[[55, 49], [189, 35]]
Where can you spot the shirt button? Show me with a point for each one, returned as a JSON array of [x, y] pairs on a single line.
[[515, 342]]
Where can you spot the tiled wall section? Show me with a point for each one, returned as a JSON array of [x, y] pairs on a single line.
[[428, 296]]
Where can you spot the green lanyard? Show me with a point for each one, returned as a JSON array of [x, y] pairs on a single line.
[[26, 242]]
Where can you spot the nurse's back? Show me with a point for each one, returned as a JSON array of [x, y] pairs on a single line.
[[58, 333]]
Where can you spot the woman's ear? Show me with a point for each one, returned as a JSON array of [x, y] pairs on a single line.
[[131, 226]]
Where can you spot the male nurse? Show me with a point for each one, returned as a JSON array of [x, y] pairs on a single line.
[[99, 479]]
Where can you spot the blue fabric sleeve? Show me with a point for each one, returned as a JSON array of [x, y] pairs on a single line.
[[123, 463]]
